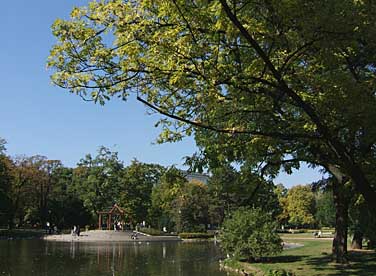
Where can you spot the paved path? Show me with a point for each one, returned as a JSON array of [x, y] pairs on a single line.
[[109, 236], [303, 238]]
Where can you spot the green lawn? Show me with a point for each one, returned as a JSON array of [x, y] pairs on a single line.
[[314, 259]]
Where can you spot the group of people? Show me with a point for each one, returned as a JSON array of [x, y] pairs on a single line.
[[118, 226], [51, 229]]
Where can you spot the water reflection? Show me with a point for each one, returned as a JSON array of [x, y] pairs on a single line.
[[56, 258]]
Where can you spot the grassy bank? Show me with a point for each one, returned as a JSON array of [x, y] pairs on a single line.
[[20, 234], [313, 259]]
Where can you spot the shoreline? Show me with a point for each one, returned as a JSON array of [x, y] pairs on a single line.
[[109, 236]]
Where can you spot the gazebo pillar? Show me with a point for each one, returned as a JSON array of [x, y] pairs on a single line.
[[109, 222]]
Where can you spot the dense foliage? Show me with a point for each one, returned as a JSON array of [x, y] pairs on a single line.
[[35, 190], [325, 209], [266, 83], [250, 234], [300, 206]]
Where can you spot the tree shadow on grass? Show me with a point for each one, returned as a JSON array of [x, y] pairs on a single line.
[[360, 263], [286, 259]]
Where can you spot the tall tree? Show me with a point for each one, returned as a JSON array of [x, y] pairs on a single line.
[[325, 209], [230, 189], [272, 83], [300, 206], [266, 71], [67, 209], [281, 192], [33, 181], [162, 210], [362, 223], [190, 207], [222, 185], [28, 189], [137, 182], [96, 180], [49, 167]]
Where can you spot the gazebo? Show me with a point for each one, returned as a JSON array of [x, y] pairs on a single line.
[[108, 215]]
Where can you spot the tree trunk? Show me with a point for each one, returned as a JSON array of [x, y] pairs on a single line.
[[11, 221], [370, 244], [357, 240], [339, 248]]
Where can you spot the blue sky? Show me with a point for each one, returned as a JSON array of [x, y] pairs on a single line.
[[38, 118]]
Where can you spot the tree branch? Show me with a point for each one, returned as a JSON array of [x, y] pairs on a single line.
[[278, 135]]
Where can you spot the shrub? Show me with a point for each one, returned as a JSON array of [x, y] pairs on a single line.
[[196, 235], [250, 234]]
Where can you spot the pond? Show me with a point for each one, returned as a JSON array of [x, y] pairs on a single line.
[[38, 257]]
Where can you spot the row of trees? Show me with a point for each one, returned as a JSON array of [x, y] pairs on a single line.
[[303, 208], [35, 190], [312, 206]]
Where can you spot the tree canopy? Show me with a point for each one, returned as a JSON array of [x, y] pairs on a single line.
[[269, 83], [97, 179], [300, 205], [2, 146]]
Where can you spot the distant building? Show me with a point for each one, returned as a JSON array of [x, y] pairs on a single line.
[[204, 178]]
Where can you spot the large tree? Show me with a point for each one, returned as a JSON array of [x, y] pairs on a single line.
[[289, 77], [163, 212], [325, 209], [190, 207], [67, 209], [96, 180], [137, 182], [271, 83], [300, 205], [230, 189]]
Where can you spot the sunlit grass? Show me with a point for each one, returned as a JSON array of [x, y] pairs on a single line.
[[314, 258]]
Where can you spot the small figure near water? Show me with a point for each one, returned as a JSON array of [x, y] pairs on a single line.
[[48, 227], [76, 231]]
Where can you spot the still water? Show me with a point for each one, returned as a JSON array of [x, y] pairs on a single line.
[[37, 258]]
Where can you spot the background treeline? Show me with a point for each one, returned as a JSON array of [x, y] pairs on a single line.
[[34, 190]]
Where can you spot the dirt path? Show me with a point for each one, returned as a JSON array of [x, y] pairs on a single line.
[[303, 238]]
